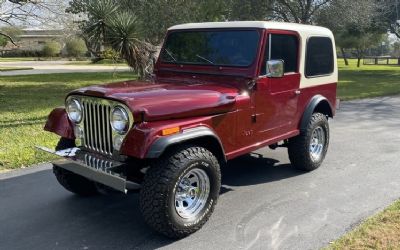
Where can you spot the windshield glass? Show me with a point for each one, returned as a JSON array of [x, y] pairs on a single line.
[[236, 48]]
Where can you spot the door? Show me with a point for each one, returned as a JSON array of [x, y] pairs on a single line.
[[277, 98]]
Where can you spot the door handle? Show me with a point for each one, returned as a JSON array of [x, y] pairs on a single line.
[[297, 92]]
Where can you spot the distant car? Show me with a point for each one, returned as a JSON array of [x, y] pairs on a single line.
[[220, 90]]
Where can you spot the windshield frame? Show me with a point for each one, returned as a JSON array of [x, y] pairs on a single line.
[[254, 62]]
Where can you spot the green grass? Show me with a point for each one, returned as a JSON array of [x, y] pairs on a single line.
[[26, 102], [17, 59], [367, 81], [381, 231], [105, 62], [4, 69]]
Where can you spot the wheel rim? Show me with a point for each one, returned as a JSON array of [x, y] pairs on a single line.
[[317, 143], [192, 193]]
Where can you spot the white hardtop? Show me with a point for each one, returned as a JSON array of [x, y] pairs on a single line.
[[301, 28], [304, 31]]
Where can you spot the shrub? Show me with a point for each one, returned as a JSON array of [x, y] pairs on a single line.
[[76, 47], [51, 49], [110, 54]]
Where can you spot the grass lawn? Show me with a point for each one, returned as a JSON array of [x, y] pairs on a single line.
[[367, 81], [26, 102], [17, 59], [4, 69], [381, 231], [105, 62]]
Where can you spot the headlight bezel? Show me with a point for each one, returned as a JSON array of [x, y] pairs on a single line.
[[125, 115], [79, 107]]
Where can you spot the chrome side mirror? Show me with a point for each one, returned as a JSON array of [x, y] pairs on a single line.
[[275, 68]]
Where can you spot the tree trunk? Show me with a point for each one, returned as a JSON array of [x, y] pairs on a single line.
[[358, 62], [346, 62]]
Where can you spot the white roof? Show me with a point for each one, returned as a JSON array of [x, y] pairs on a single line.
[[255, 24]]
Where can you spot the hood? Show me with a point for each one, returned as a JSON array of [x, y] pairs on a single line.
[[161, 100]]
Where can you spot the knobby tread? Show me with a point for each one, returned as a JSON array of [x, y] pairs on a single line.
[[298, 147], [159, 181], [74, 183]]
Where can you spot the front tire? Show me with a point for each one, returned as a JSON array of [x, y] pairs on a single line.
[[180, 191], [308, 150], [70, 181]]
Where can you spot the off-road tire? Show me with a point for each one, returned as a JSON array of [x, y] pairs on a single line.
[[157, 196], [65, 143], [299, 146], [71, 181]]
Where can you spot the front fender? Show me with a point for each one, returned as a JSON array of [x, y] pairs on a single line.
[[58, 123]]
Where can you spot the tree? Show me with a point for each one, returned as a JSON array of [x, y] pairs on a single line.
[[390, 15], [298, 11], [355, 25], [249, 10], [75, 47], [51, 49]]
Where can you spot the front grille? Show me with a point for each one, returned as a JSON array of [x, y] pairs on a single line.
[[96, 125]]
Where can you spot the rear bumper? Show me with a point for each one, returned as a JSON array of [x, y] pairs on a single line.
[[93, 167]]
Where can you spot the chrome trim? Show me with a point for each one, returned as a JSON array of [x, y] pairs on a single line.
[[95, 167], [98, 135]]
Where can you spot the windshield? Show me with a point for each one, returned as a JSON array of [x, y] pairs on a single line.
[[236, 48]]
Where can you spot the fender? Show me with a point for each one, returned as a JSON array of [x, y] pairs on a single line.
[[319, 103], [202, 132], [58, 123]]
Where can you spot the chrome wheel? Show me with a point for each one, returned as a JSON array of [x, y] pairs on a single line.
[[192, 193], [317, 144]]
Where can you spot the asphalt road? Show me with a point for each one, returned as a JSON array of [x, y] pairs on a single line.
[[51, 67], [265, 203]]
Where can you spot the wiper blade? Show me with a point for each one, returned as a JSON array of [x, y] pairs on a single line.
[[205, 59], [170, 54]]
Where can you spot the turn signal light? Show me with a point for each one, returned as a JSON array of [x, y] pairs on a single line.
[[170, 131]]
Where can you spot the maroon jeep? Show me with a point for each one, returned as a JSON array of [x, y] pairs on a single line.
[[220, 90]]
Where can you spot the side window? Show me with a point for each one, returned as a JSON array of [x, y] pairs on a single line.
[[319, 56], [282, 47]]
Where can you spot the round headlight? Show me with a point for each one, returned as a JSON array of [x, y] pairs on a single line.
[[119, 120], [74, 110]]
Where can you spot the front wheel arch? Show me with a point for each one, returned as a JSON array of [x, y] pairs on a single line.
[[200, 136]]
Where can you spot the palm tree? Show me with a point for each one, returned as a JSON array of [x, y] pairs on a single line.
[[124, 36], [109, 25]]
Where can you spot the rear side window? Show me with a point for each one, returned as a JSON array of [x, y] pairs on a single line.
[[282, 47], [319, 57]]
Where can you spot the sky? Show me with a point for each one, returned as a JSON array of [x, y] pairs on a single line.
[[47, 14]]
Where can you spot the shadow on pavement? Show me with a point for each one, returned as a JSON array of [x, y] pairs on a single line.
[[37, 213]]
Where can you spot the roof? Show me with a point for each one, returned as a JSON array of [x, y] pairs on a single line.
[[254, 24]]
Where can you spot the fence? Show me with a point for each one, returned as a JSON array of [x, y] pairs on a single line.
[[381, 61]]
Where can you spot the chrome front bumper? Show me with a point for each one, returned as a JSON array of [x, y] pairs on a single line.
[[93, 167]]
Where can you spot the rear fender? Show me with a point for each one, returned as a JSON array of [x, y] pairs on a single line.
[[58, 123], [317, 104]]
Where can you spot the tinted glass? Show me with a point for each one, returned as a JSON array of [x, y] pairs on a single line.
[[224, 48], [283, 47], [319, 59]]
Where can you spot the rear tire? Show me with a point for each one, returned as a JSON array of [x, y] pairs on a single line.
[[307, 150], [180, 191], [72, 182]]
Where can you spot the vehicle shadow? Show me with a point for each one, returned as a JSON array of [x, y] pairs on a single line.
[[47, 216]]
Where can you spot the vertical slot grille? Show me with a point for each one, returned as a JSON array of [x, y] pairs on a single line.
[[96, 124]]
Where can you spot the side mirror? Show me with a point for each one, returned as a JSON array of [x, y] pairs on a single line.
[[275, 68]]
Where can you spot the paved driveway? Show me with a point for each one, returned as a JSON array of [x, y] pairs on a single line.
[[265, 203], [49, 67]]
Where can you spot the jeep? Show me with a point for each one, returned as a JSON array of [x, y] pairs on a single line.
[[219, 90]]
